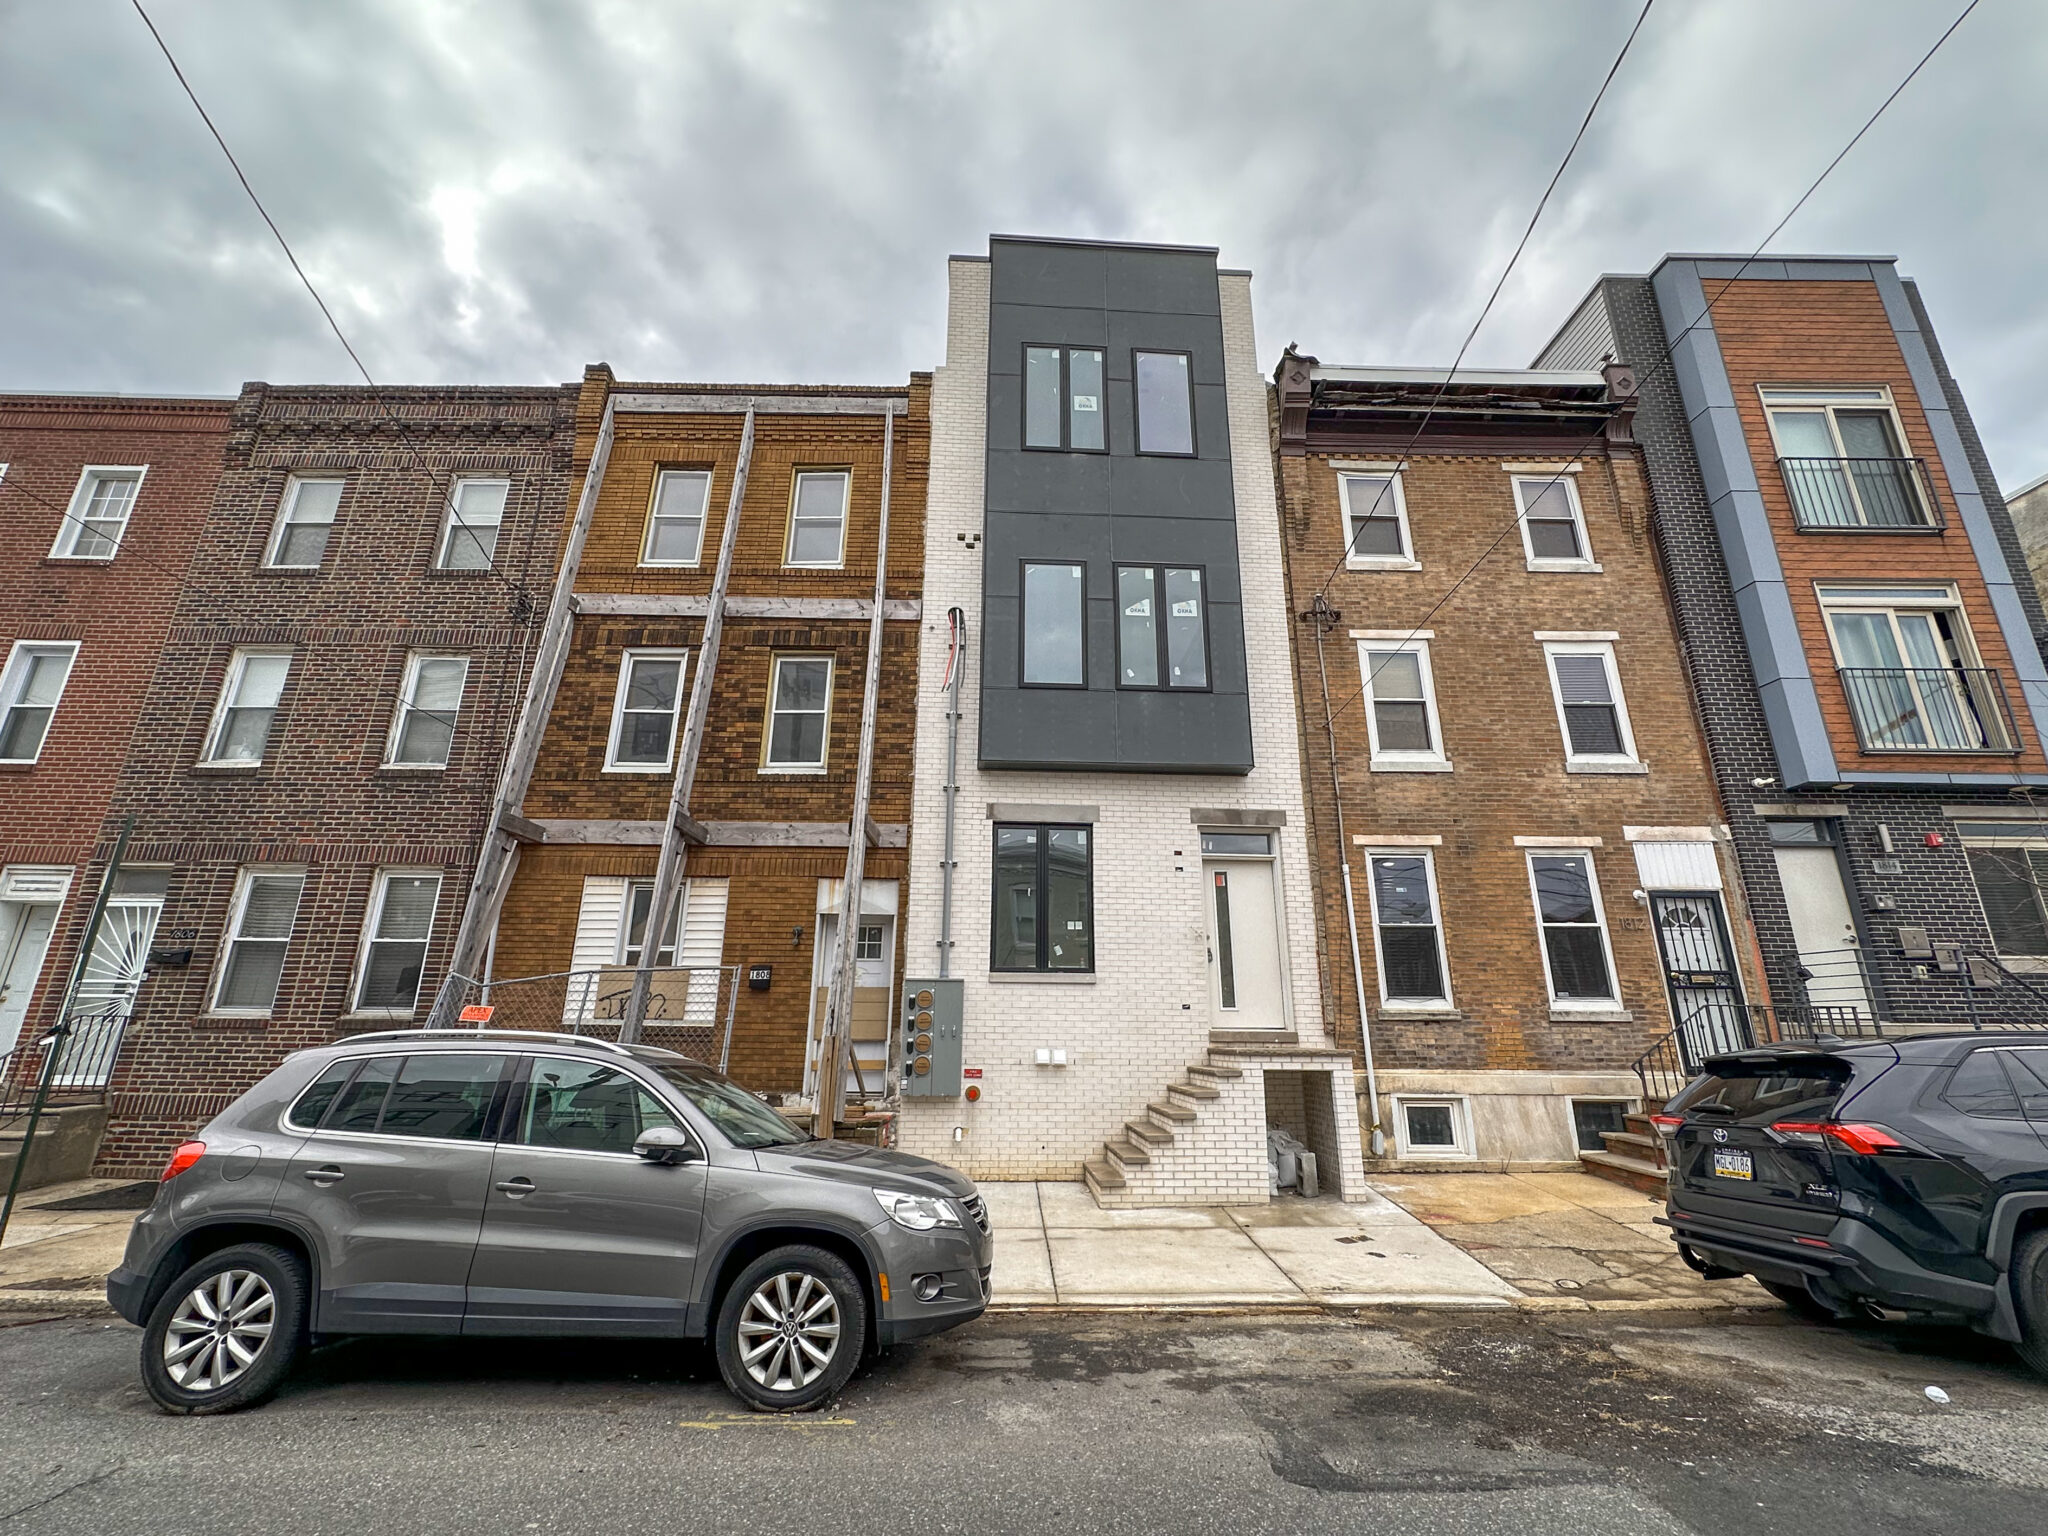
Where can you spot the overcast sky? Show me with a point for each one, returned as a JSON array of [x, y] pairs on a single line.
[[499, 191]]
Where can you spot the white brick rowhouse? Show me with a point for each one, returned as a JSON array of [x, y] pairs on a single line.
[[1134, 1027]]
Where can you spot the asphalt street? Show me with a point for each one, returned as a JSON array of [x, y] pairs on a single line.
[[1431, 1423]]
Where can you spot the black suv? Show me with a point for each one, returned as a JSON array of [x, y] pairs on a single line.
[[1902, 1178]]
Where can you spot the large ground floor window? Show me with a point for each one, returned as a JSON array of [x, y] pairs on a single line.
[[1044, 908]]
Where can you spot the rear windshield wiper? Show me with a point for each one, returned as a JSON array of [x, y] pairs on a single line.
[[1710, 1107]]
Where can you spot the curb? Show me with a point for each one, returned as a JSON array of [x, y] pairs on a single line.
[[65, 1303], [1313, 1308]]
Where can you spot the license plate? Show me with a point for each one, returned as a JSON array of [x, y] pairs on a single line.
[[1733, 1165]]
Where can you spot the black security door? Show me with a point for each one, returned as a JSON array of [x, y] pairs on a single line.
[[1699, 973]]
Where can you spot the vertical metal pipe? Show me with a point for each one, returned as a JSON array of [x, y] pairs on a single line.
[[668, 873], [838, 1036], [956, 618]]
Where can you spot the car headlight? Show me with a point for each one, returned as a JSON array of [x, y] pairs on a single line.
[[917, 1213]]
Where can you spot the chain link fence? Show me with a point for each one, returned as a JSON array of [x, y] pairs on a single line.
[[689, 1009]]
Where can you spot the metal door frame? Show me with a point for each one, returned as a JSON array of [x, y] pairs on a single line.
[[1718, 906]]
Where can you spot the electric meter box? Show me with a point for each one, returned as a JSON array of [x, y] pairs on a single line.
[[928, 1038]]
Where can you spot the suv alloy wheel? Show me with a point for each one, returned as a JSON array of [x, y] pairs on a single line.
[[791, 1329], [227, 1331]]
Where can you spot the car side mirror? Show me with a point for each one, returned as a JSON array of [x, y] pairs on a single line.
[[665, 1144]]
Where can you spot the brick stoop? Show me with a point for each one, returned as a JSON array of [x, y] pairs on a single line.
[[1634, 1157], [1138, 1166]]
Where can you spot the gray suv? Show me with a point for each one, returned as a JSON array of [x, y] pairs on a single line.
[[522, 1184]]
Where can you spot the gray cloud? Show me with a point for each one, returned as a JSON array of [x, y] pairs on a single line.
[[504, 191]]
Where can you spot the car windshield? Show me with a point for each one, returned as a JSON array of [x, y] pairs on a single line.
[[743, 1119]]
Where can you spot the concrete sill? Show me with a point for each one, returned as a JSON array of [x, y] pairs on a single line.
[[1567, 567], [1383, 565], [231, 1021], [1387, 765], [1591, 1016], [1439, 1015], [1254, 1037], [1606, 767], [225, 767], [1042, 978]]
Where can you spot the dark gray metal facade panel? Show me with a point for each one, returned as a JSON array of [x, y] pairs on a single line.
[[1106, 509]]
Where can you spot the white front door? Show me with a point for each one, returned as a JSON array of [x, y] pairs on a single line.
[[24, 941], [1823, 929], [1247, 989], [113, 976]]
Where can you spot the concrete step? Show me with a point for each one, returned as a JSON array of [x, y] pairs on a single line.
[[1101, 1178], [1125, 1156], [1644, 1149], [1633, 1172], [1220, 1074], [1169, 1113], [1197, 1093], [1148, 1133]]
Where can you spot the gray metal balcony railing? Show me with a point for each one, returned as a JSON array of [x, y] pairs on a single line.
[[1861, 495], [1929, 709]]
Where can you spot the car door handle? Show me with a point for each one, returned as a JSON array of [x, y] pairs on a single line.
[[515, 1187], [328, 1175]]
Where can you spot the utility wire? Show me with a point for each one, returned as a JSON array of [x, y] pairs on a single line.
[[526, 613], [1486, 309], [1664, 359]]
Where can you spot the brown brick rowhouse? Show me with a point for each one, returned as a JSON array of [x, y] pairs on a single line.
[[314, 759], [762, 869], [1526, 798], [101, 503]]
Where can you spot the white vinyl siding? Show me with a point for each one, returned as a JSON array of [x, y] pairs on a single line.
[[601, 941]]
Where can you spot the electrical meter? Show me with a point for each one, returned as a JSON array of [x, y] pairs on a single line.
[[928, 1039]]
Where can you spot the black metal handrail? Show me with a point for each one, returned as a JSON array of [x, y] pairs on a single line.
[[1929, 709], [1861, 496]]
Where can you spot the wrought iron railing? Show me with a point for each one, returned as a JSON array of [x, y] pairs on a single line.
[[86, 1049], [688, 1008], [1861, 495], [1712, 1029], [1929, 709]]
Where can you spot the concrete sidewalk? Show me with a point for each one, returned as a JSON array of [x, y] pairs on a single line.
[[54, 1262]]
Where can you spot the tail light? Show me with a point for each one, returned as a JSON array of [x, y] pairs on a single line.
[[1667, 1125], [183, 1158], [1864, 1140]]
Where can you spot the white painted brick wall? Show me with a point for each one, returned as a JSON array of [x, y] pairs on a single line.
[[1144, 1017]]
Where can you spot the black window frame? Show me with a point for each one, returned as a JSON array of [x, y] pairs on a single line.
[[1024, 622], [1194, 448], [1066, 351], [1042, 896], [1159, 643]]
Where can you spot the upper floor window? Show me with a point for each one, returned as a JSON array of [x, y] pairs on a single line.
[[1375, 521], [1043, 915], [1161, 638], [248, 705], [469, 530], [799, 709], [266, 904], [1063, 403], [99, 512], [30, 689], [1911, 671], [675, 519], [1053, 625], [1408, 930], [644, 711], [1401, 717], [1842, 454], [1166, 402], [1553, 523], [423, 730], [1574, 930], [817, 519], [1590, 710], [395, 934], [304, 520]]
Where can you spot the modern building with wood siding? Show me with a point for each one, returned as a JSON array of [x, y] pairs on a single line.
[[704, 721]]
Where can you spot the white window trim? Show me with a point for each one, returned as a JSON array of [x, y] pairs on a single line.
[[624, 941], [1625, 761], [245, 877], [72, 525], [1585, 563], [1405, 561], [285, 505], [10, 683], [796, 483], [449, 523], [1837, 595], [1460, 1106], [1385, 761], [1829, 399], [703, 522], [228, 685], [380, 885], [768, 728], [611, 745], [406, 689], [1612, 1002], [1436, 914]]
